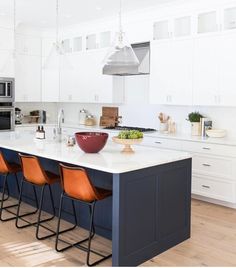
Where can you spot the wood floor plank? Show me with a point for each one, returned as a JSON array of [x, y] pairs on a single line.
[[212, 243]]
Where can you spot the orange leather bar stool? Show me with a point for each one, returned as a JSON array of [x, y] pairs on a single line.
[[34, 174], [6, 169], [77, 186]]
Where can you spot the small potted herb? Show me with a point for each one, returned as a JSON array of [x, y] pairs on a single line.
[[195, 119]]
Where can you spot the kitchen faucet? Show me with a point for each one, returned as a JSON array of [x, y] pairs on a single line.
[[60, 121]]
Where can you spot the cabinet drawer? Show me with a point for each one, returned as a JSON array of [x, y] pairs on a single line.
[[219, 167], [206, 148], [211, 188], [162, 143]]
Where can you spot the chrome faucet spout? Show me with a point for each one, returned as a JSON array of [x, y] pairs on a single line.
[[60, 121]]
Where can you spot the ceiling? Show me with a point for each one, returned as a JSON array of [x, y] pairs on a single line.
[[42, 12]]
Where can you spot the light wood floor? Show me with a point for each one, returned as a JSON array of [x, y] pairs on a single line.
[[212, 243]]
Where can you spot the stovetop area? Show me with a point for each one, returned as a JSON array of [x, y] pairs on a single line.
[[132, 128]]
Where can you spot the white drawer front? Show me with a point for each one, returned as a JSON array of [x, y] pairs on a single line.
[[206, 148], [220, 190], [162, 143], [218, 167]]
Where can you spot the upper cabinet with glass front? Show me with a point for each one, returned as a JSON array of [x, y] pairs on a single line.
[[229, 18], [176, 27], [208, 22], [162, 30]]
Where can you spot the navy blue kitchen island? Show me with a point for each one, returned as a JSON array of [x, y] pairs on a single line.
[[149, 211]]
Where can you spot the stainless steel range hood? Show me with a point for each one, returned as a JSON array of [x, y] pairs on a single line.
[[142, 51]]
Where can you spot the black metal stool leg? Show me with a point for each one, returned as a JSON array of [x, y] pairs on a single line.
[[66, 230], [48, 219], [91, 234], [5, 199], [91, 231], [17, 183], [2, 208], [18, 216]]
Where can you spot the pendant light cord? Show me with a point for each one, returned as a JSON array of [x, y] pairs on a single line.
[[120, 17], [14, 28], [57, 22]]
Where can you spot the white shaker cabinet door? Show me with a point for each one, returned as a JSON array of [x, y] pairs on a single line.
[[227, 95], [6, 63], [171, 72], [181, 74], [206, 70], [50, 85], [28, 78], [160, 72]]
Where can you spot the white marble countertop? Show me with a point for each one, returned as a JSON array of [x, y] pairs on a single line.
[[110, 159], [179, 136]]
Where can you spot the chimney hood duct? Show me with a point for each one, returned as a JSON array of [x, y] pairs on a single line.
[[142, 51]]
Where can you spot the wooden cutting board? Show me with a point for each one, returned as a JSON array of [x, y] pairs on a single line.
[[110, 111], [106, 121]]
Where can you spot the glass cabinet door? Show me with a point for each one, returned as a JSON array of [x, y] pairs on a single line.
[[66, 46], [161, 30], [207, 22], [230, 18], [77, 44], [105, 39], [91, 41], [182, 26]]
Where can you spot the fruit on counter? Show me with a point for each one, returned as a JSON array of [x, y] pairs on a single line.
[[130, 134]]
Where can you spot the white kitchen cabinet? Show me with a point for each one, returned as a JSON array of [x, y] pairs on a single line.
[[50, 85], [6, 52], [7, 39], [213, 188], [28, 45], [7, 68], [206, 70], [171, 72], [28, 78], [85, 83], [213, 167], [227, 65]]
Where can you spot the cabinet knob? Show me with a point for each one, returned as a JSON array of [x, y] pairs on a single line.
[[157, 142]]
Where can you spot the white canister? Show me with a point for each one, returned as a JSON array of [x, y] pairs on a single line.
[[82, 116]]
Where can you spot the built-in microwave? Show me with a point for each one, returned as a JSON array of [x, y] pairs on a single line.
[[7, 89]]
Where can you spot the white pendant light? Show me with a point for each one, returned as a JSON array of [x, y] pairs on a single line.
[[57, 58], [121, 54]]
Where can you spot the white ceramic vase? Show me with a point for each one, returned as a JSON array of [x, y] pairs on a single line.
[[195, 129]]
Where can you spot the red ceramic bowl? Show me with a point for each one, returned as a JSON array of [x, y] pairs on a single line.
[[91, 142]]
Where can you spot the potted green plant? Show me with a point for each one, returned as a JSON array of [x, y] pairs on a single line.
[[195, 119]]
